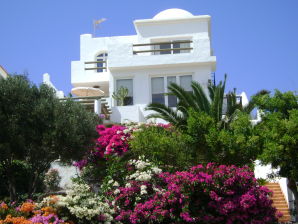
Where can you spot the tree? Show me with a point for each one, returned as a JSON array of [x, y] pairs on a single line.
[[197, 100], [38, 129], [279, 131], [235, 143]]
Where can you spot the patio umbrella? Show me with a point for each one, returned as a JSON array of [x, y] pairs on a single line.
[[87, 91]]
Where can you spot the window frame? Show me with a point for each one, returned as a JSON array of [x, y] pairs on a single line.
[[104, 61], [171, 43], [116, 89], [166, 97]]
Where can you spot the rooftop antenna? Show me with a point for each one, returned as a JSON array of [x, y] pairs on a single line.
[[96, 23]]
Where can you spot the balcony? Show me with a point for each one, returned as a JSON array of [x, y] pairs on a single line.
[[96, 65], [88, 73], [128, 56], [158, 48]]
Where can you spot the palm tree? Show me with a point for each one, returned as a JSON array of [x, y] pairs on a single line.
[[199, 101]]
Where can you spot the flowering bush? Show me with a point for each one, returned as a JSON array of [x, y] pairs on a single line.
[[138, 191], [138, 186], [204, 194], [28, 213], [111, 141], [86, 205]]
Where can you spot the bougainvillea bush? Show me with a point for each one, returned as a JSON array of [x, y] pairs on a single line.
[[203, 194], [111, 141]]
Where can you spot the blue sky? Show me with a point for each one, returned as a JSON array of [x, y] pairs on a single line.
[[255, 41]]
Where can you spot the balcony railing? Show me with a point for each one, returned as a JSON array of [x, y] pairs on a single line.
[[94, 63], [150, 47]]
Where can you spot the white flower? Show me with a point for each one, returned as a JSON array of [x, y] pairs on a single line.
[[156, 170], [144, 177], [110, 181], [117, 191], [128, 185], [125, 131], [143, 189], [143, 192], [116, 184]]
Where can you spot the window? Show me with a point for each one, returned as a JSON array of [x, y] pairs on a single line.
[[126, 83], [172, 100], [181, 45], [173, 47], [159, 89], [101, 64], [185, 82]]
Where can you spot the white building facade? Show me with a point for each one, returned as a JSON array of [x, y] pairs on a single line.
[[174, 46]]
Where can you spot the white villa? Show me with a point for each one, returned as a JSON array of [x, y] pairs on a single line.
[[173, 46]]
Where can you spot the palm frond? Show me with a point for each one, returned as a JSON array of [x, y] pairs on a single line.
[[182, 95], [200, 97], [166, 113]]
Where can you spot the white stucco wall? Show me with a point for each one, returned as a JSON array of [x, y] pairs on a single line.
[[66, 173], [47, 81]]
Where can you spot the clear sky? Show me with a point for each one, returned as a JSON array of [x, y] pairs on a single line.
[[255, 41]]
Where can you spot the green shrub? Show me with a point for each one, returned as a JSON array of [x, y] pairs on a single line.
[[235, 142], [164, 146], [20, 170]]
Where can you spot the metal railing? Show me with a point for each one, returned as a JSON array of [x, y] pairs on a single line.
[[95, 62], [171, 49]]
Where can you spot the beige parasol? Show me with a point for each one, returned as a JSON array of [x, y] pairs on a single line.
[[87, 91]]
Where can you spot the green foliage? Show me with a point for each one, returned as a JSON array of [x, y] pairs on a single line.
[[279, 131], [235, 143], [167, 147], [120, 95], [21, 171], [37, 128], [279, 102], [281, 142]]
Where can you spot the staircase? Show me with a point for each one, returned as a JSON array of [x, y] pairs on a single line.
[[279, 202], [106, 109]]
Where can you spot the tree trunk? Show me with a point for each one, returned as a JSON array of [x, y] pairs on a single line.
[[33, 184], [10, 179], [12, 190], [293, 187], [11, 184]]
